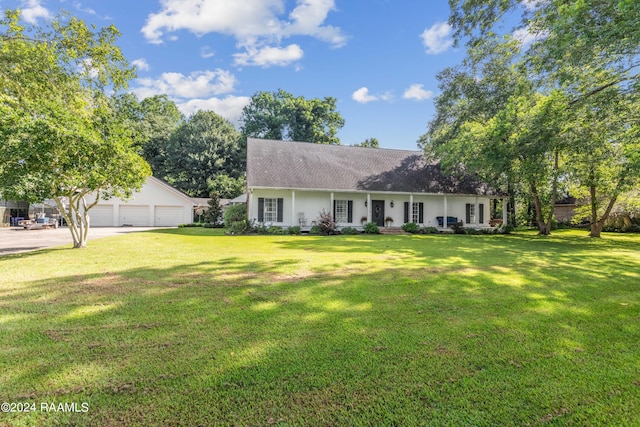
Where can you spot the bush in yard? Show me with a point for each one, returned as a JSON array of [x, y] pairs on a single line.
[[506, 229], [315, 230], [326, 223], [411, 227], [294, 230], [430, 230], [235, 213], [458, 228], [349, 230], [371, 228], [261, 228], [240, 227], [274, 229]]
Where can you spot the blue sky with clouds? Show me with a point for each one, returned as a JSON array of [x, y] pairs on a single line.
[[378, 58]]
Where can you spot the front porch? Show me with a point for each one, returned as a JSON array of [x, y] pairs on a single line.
[[287, 208]]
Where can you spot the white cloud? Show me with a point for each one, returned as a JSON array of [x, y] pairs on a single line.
[[532, 5], [436, 38], [195, 85], [243, 19], [81, 8], [32, 10], [197, 91], [387, 96], [229, 107], [362, 96], [268, 56], [206, 52], [141, 64], [307, 19], [526, 37], [417, 92], [257, 25]]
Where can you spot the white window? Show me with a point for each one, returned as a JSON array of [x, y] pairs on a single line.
[[471, 213], [415, 213], [270, 210], [342, 211]]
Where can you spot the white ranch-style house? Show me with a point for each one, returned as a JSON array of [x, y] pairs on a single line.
[[291, 183]]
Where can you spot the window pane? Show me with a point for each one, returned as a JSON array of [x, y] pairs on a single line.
[[341, 211], [270, 210]]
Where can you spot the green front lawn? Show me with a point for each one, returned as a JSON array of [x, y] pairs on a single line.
[[189, 327]]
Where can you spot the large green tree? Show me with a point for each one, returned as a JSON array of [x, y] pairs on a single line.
[[369, 143], [205, 146], [160, 119], [606, 165], [281, 115], [579, 51], [484, 90], [62, 137], [153, 121], [228, 187]]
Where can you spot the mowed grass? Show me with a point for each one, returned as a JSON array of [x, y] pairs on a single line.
[[190, 327]]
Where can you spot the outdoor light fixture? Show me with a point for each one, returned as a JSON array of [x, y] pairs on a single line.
[[365, 203], [391, 204]]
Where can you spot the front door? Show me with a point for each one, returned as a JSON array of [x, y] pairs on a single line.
[[377, 212]]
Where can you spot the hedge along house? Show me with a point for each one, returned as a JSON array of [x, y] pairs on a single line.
[[291, 183]]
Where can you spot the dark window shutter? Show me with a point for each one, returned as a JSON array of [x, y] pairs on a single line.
[[261, 209], [421, 213], [481, 213], [468, 218], [406, 212], [350, 211], [334, 210], [280, 209]]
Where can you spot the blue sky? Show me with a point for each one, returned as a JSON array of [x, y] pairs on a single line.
[[378, 58]]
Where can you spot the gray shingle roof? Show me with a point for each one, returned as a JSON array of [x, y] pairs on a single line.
[[304, 165]]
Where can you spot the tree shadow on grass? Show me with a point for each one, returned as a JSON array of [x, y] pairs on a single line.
[[235, 341]]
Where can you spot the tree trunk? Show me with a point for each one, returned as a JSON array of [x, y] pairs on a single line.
[[595, 228], [77, 217], [598, 224], [554, 191], [544, 229]]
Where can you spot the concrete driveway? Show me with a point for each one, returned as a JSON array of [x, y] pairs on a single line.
[[14, 240]]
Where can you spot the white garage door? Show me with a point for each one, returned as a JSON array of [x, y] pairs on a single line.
[[134, 215], [169, 216], [101, 216]]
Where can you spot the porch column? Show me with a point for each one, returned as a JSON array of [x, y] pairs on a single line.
[[444, 220], [331, 206], [504, 210], [250, 204], [410, 208], [477, 216], [293, 209], [368, 207]]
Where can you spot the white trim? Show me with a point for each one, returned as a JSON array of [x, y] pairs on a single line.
[[322, 190], [173, 190]]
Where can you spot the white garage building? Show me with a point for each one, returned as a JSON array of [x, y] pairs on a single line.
[[157, 204]]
